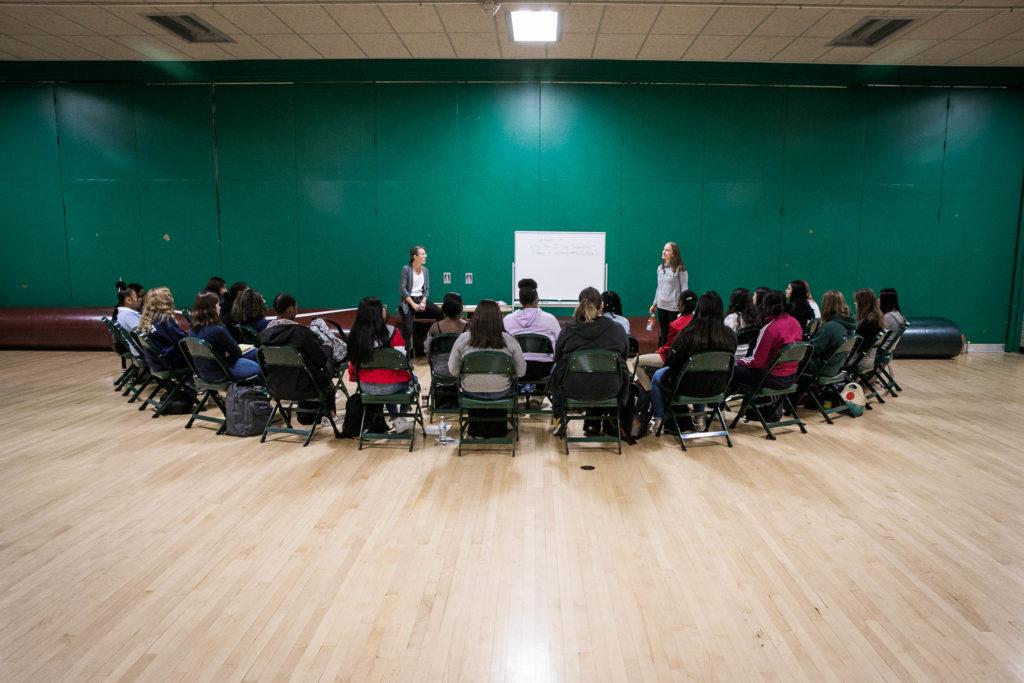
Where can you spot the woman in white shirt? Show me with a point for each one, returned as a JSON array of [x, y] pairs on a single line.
[[672, 282], [414, 288]]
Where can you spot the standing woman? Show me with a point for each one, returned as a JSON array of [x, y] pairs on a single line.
[[672, 281], [414, 287]]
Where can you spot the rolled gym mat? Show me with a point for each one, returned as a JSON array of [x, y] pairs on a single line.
[[930, 338]]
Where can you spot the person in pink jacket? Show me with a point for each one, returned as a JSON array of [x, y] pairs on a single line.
[[530, 319], [779, 330]]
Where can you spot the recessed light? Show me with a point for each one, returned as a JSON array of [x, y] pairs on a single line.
[[534, 26]]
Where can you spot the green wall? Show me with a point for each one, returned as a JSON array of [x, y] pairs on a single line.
[[321, 188]]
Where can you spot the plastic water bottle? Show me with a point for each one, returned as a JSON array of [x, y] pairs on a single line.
[[442, 431], [650, 324]]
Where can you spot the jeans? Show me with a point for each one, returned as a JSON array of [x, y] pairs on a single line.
[[384, 389], [247, 366], [657, 397]]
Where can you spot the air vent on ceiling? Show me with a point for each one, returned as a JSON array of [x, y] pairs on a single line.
[[870, 31], [189, 28]]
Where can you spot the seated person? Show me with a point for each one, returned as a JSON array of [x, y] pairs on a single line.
[[371, 331], [743, 313], [889, 302], [779, 330], [485, 334], [648, 362], [250, 309], [810, 299], [216, 285], [613, 309], [452, 323], [706, 332], [129, 303], [206, 325], [589, 330], [836, 326], [227, 302], [164, 332], [285, 331], [870, 322], [530, 319], [799, 304]]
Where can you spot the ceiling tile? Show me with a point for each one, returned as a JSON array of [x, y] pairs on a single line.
[[381, 45], [151, 47], [1016, 59], [253, 20], [573, 46], [665, 47], [201, 51], [820, 2], [134, 16], [513, 50], [899, 51], [247, 47], [580, 18], [998, 26], [834, 23], [98, 20], [789, 21], [844, 55], [42, 18], [759, 48], [948, 24], [991, 53], [628, 19], [682, 20], [413, 18], [207, 14], [9, 26], [305, 18], [334, 45], [105, 47], [930, 3], [467, 19], [945, 51], [61, 48], [359, 18], [803, 50], [288, 46], [475, 45], [617, 45], [735, 21], [23, 50], [708, 48], [428, 45]]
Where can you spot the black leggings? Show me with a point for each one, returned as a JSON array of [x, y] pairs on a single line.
[[665, 319], [409, 324]]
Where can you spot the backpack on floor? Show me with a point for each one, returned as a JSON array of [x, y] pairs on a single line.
[[248, 411], [637, 413], [354, 415]]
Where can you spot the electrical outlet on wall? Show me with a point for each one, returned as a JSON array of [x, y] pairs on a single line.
[[447, 278], [469, 278]]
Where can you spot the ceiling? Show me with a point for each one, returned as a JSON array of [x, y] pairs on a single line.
[[946, 32]]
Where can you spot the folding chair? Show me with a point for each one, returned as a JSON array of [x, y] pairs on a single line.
[[760, 396], [535, 343], [488, 363], [408, 399], [867, 377], [142, 378], [187, 315], [811, 328], [286, 360], [441, 345], [716, 367], [247, 334], [128, 368], [193, 348], [173, 381], [830, 374], [593, 362], [747, 335], [883, 363]]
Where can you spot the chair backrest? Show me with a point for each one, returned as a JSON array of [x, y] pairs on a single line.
[[794, 352], [837, 361], [747, 335], [534, 343], [187, 315], [583, 367], [289, 360], [115, 335], [715, 366], [384, 358], [890, 342], [487, 362], [131, 338], [634, 346], [282, 356], [442, 343], [194, 347], [811, 328], [862, 350], [594, 361], [247, 334]]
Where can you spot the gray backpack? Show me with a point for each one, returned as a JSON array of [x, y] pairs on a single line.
[[248, 411]]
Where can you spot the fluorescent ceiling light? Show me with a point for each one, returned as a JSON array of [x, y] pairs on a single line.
[[534, 26]]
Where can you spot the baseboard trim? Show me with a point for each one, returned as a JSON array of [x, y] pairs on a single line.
[[984, 348]]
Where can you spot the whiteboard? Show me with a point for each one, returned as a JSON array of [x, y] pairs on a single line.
[[562, 263]]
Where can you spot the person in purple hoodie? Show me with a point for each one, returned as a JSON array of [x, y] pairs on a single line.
[[530, 319]]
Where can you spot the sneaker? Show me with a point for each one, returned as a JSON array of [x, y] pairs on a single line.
[[699, 423], [402, 425], [558, 427], [527, 389]]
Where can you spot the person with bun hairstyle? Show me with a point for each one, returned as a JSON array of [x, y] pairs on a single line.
[[452, 323], [530, 319], [780, 329], [650, 361], [129, 302], [414, 290], [672, 282]]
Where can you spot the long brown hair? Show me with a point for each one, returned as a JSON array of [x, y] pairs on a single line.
[[867, 307], [833, 303], [159, 304], [589, 307], [485, 326], [204, 311], [675, 262]]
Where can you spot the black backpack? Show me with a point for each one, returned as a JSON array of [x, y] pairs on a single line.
[[354, 414], [637, 413], [248, 411]]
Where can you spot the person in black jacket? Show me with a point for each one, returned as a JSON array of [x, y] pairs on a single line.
[[285, 331], [589, 330], [799, 303]]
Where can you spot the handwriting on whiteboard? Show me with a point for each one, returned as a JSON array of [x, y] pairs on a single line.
[[560, 246]]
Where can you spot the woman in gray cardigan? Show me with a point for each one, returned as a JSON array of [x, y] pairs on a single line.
[[414, 287]]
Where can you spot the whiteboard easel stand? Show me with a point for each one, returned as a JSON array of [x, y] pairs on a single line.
[[549, 304]]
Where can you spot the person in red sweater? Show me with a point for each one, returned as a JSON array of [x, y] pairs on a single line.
[[781, 329], [371, 331], [649, 362]]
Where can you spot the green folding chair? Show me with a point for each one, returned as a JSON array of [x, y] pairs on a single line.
[[172, 381], [591, 362], [883, 363], [747, 336], [407, 400], [441, 345], [759, 396], [278, 360], [142, 377], [866, 377], [535, 343], [187, 315], [811, 328], [247, 334], [830, 374], [193, 348], [488, 363], [128, 368], [716, 368]]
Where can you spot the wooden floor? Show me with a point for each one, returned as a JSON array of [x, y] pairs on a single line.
[[887, 547]]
